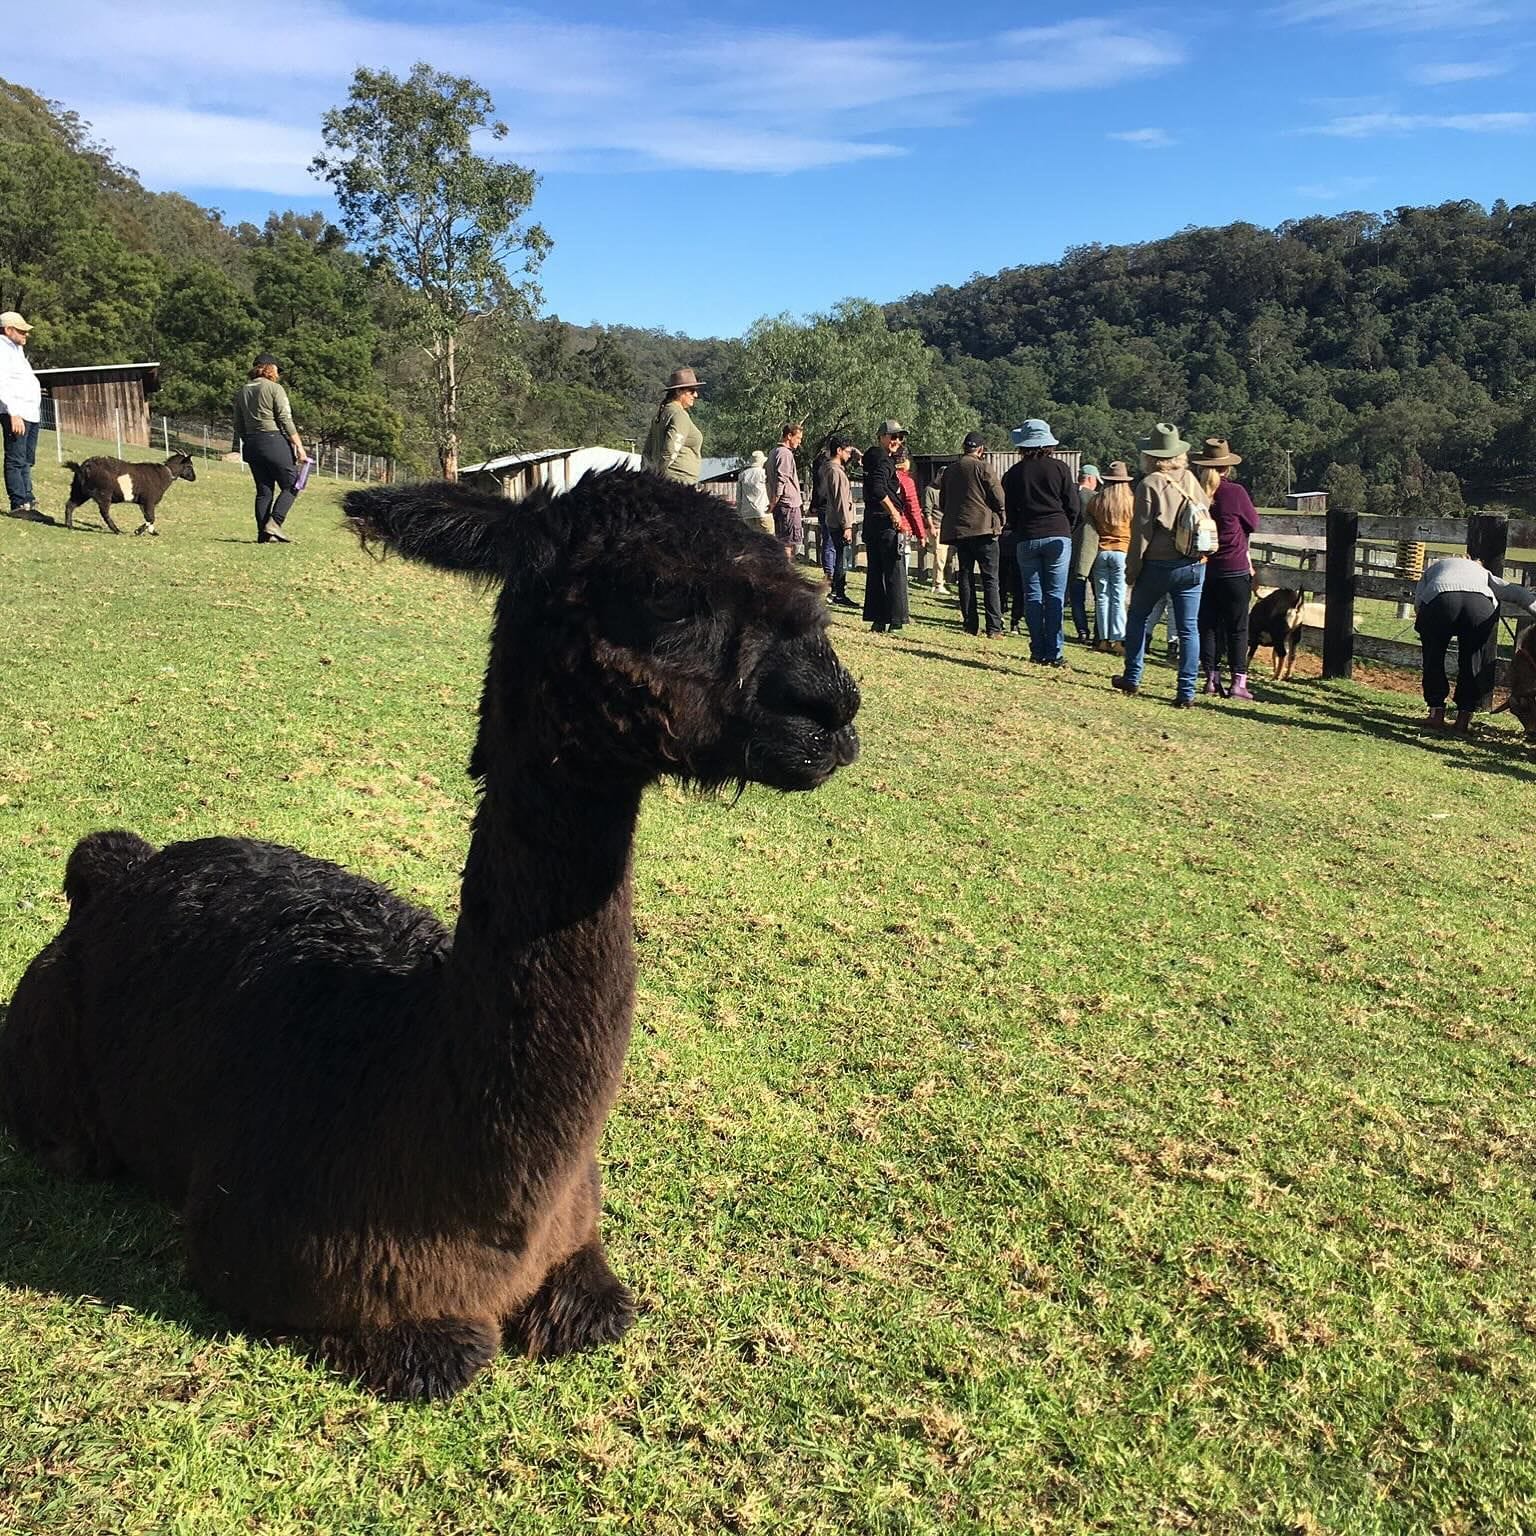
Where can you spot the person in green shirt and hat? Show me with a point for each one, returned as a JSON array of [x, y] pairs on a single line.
[[674, 445]]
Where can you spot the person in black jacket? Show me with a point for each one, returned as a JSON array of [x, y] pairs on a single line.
[[885, 598], [1043, 509]]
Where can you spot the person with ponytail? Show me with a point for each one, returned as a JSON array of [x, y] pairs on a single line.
[[1228, 589]]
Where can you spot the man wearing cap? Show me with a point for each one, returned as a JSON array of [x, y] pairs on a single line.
[[1085, 550], [784, 487], [971, 518], [21, 408], [674, 445], [884, 597], [752, 492]]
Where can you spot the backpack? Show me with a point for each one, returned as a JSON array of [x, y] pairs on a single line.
[[1194, 529]]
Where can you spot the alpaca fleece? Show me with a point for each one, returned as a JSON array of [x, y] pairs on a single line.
[[382, 1136]]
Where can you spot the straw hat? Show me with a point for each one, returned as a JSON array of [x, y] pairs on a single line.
[[1216, 453], [1117, 474], [1164, 442]]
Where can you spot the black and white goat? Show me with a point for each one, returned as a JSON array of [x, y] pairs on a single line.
[[107, 481]]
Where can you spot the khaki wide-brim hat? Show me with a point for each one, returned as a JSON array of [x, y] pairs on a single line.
[[684, 378], [1117, 474], [1216, 453], [1164, 442]]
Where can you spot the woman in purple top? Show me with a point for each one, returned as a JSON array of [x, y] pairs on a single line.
[[1229, 572]]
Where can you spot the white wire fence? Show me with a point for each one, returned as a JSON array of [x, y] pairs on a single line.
[[200, 439]]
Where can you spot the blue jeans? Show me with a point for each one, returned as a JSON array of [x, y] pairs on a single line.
[[20, 456], [834, 559], [1043, 567], [1109, 595], [1180, 582]]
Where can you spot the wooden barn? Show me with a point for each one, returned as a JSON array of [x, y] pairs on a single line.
[[928, 467], [90, 401], [1307, 501], [513, 475]]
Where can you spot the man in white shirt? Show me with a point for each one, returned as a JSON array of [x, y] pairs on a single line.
[[21, 408]]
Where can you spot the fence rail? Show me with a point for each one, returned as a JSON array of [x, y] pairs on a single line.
[[213, 439]]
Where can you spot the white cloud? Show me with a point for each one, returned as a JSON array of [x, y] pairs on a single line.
[[1456, 74], [1371, 125], [1339, 188], [1395, 15], [1145, 138], [723, 98]]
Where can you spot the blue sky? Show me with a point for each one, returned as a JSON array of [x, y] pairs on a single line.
[[702, 167]]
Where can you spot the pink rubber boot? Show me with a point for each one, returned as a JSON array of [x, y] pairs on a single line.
[[1212, 684], [1240, 689]]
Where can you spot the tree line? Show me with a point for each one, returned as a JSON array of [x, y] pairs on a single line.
[[1389, 359]]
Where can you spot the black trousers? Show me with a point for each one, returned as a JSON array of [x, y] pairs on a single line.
[[1011, 579], [270, 456], [979, 551], [885, 589], [1224, 621], [1472, 619]]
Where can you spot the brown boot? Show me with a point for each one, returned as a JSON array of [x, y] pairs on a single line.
[[1463, 725]]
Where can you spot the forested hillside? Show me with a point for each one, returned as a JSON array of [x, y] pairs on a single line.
[[1385, 353]]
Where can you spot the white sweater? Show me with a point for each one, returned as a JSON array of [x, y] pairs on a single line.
[[1456, 573], [20, 393]]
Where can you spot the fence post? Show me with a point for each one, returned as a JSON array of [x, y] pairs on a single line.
[[1339, 593], [58, 429], [165, 435], [205, 440], [117, 422], [1488, 539]]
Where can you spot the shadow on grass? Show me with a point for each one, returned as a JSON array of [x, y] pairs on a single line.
[[108, 1241]]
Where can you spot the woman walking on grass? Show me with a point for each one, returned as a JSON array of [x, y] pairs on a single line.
[[1109, 515], [1228, 589], [1156, 566], [268, 441]]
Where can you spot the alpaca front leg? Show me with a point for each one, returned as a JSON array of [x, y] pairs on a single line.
[[581, 1305], [416, 1361]]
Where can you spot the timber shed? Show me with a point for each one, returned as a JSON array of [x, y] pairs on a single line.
[[1307, 501], [90, 402]]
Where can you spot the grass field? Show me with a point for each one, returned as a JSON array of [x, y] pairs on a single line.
[[1079, 1116]]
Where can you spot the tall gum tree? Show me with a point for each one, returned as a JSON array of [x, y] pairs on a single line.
[[449, 224]]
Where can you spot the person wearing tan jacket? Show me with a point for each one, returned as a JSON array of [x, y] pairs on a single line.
[[1109, 515], [970, 520], [1153, 564]]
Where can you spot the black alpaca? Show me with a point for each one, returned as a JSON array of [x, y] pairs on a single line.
[[382, 1137]]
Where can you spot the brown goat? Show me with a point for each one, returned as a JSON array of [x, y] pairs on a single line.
[[107, 481], [382, 1138]]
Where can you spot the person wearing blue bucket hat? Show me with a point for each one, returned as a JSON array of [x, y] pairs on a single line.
[[1043, 508]]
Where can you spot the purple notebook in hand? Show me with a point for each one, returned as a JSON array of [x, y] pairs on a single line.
[[301, 479]]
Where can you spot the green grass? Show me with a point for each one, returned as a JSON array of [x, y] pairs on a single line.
[[1079, 1116]]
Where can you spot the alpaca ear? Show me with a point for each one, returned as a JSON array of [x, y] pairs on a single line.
[[439, 523]]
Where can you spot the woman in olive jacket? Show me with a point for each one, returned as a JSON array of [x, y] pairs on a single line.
[[268, 441]]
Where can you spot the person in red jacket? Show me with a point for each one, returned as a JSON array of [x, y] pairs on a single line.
[[913, 523]]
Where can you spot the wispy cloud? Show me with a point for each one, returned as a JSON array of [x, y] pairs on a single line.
[[1337, 189], [1395, 15], [1370, 125], [1456, 74], [575, 95], [1145, 138]]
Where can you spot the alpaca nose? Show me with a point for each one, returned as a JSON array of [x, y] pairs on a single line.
[[829, 696]]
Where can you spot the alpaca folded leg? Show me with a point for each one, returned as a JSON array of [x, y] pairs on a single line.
[[581, 1305], [417, 1361]]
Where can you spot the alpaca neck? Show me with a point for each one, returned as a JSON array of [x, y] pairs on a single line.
[[540, 981]]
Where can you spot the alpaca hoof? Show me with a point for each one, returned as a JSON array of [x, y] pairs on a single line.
[[417, 1361], [581, 1305]]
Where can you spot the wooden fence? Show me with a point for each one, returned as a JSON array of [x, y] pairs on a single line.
[[1346, 572]]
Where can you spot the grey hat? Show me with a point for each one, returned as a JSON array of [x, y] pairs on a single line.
[[890, 427], [1034, 434]]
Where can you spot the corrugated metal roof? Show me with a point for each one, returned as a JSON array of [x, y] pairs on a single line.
[[508, 460]]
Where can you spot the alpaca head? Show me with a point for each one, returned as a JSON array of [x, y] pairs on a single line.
[[643, 629]]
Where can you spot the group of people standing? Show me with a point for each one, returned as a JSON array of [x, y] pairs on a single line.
[[1035, 534]]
